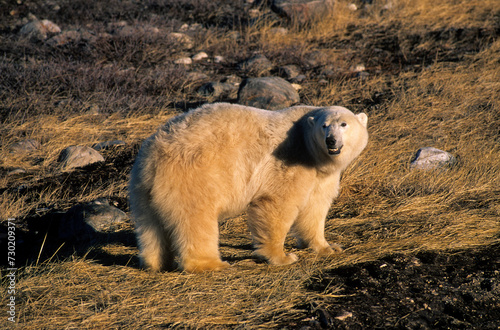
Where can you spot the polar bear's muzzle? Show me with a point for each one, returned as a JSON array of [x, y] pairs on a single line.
[[333, 145]]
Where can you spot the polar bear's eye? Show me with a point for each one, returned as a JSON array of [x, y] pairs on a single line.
[[343, 124], [325, 125]]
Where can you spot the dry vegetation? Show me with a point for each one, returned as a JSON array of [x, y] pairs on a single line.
[[434, 80]]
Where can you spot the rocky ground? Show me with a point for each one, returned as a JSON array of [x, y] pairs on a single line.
[[107, 75]]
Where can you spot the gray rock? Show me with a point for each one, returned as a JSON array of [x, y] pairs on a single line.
[[25, 146], [196, 76], [181, 39], [108, 145], [39, 30], [302, 11], [270, 93], [78, 156], [85, 221], [71, 36], [429, 158], [216, 89], [257, 65], [289, 71]]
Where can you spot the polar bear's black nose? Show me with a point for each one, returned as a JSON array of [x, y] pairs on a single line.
[[330, 142]]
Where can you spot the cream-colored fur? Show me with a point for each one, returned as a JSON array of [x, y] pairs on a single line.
[[221, 159]]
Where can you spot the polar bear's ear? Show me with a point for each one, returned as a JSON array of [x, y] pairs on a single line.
[[310, 121], [363, 118]]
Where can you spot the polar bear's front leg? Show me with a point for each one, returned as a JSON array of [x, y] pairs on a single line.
[[310, 227], [269, 222]]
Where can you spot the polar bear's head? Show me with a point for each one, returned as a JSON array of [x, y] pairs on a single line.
[[338, 134]]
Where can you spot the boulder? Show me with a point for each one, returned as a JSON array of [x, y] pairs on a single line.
[[270, 93], [302, 11], [429, 158], [83, 221], [78, 156], [256, 65]]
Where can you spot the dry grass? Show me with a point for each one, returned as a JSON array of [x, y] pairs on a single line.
[[426, 88]]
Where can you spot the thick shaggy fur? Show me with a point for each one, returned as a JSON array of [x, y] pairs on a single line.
[[283, 167]]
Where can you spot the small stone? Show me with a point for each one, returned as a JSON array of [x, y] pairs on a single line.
[[24, 146], [343, 316], [280, 31], [78, 156], [16, 171], [200, 56], [196, 76], [352, 7], [358, 68], [182, 39], [219, 59], [300, 78], [39, 30], [184, 61], [429, 158], [289, 71]]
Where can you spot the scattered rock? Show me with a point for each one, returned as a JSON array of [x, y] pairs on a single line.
[[257, 65], [181, 39], [16, 171], [25, 146], [289, 71], [281, 31], [270, 93], [219, 59], [184, 61], [232, 79], [218, 90], [343, 316], [300, 78], [83, 221], [39, 30], [315, 59], [108, 145], [302, 11], [190, 28], [200, 56], [352, 7], [71, 36], [196, 76], [429, 158], [78, 156]]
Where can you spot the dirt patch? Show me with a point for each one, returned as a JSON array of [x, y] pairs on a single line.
[[429, 290]]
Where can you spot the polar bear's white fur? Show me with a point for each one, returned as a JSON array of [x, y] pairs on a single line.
[[283, 167]]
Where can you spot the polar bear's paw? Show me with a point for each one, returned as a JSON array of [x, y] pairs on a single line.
[[276, 258], [199, 266], [330, 249]]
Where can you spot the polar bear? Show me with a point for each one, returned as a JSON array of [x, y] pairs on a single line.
[[282, 167]]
